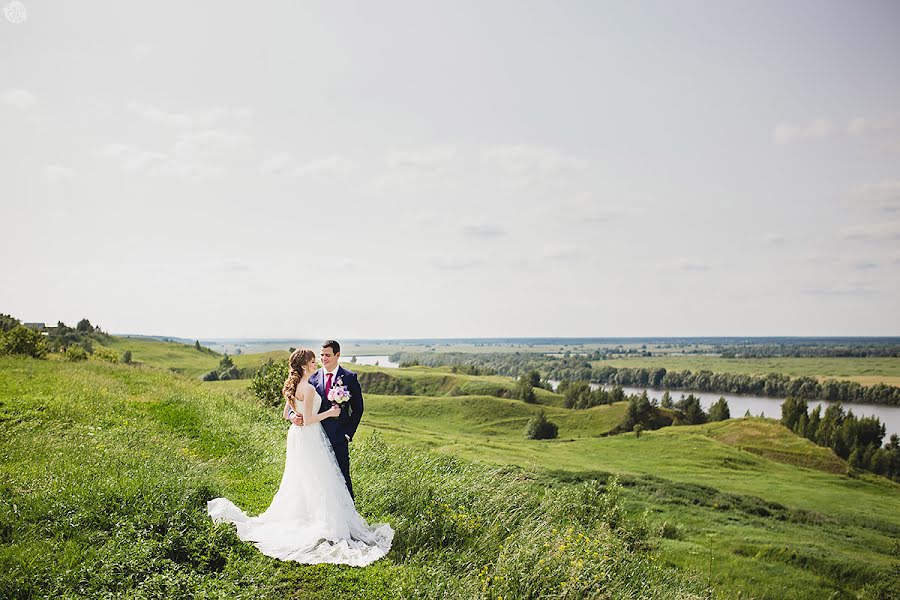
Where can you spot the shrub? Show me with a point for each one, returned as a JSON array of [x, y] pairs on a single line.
[[268, 381], [76, 353], [126, 357], [539, 428], [210, 376], [227, 370], [106, 354], [22, 340]]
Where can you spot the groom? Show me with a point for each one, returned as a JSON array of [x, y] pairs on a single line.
[[340, 429]]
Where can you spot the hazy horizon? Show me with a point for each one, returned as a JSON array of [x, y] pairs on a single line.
[[454, 170]]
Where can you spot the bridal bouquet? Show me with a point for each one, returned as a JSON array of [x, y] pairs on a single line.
[[338, 393]]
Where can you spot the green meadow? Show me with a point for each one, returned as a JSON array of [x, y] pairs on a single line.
[[106, 470]]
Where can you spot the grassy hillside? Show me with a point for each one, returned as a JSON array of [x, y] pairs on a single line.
[[106, 468], [866, 371], [178, 358]]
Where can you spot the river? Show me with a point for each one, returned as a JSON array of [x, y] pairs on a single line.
[[381, 361], [739, 404]]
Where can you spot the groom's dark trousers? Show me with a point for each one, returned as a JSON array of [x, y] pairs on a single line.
[[336, 428]]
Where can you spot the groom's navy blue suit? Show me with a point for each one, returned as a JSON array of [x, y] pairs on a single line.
[[344, 424]]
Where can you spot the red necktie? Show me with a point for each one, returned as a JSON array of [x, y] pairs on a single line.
[[328, 383]]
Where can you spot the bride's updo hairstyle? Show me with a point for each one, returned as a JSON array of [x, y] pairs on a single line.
[[298, 359]]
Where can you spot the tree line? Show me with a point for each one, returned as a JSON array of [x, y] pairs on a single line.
[[578, 368], [858, 440], [776, 385]]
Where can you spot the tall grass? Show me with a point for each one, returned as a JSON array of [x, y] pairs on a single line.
[[106, 470]]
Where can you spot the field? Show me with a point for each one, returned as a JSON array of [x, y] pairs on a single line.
[[866, 371], [107, 468]]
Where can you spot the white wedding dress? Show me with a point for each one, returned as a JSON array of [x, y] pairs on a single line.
[[312, 518]]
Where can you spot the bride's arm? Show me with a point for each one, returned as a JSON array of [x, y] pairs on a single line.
[[286, 413], [307, 409]]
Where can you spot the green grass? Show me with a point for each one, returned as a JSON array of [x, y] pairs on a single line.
[[866, 371], [106, 468], [178, 358]]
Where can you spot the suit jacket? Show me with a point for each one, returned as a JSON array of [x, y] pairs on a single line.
[[347, 422]]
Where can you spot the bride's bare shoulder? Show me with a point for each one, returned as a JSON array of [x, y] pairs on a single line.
[[305, 390]]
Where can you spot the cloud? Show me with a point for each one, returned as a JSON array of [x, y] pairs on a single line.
[[57, 172], [874, 232], [206, 143], [456, 263], [483, 230], [276, 164], [684, 265], [132, 159], [583, 209], [840, 289], [232, 265], [862, 125], [559, 251], [18, 98], [329, 166], [815, 130], [884, 196], [774, 239], [527, 164], [427, 167], [203, 118], [863, 264], [336, 166]]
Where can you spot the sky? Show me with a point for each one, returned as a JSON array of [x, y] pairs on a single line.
[[452, 169]]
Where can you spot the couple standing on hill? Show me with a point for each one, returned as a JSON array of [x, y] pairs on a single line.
[[312, 518]]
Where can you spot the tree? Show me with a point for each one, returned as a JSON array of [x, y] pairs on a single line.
[[23, 340], [197, 346], [84, 326], [539, 428], [640, 412], [126, 357], [666, 401], [689, 411], [812, 425], [575, 393], [7, 323], [791, 409], [524, 391], [226, 369], [534, 378], [637, 429], [719, 411]]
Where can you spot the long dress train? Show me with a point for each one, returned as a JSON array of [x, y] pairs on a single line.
[[312, 518]]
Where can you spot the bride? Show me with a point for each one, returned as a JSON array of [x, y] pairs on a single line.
[[312, 518]]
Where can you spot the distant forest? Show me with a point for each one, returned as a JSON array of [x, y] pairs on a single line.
[[578, 367]]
